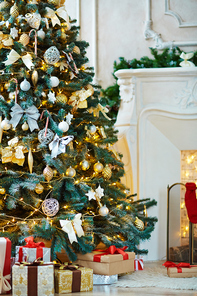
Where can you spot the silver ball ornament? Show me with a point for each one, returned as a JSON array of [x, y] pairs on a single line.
[[5, 125], [41, 34], [92, 129], [63, 126], [25, 85], [103, 211], [85, 165], [25, 126], [98, 167], [70, 172], [50, 207], [54, 81]]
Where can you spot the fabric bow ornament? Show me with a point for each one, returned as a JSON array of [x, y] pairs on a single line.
[[71, 226], [13, 56], [100, 108], [186, 57], [5, 40], [32, 115], [53, 15], [58, 145], [4, 284]]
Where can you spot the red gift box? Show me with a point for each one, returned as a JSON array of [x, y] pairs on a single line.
[[5, 264], [139, 263]]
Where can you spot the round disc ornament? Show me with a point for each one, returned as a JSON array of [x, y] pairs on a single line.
[[45, 139], [52, 55], [50, 207]]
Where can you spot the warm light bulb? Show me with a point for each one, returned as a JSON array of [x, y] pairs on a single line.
[[186, 228]]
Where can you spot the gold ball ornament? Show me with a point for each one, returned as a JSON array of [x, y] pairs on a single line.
[[2, 190], [34, 77], [70, 172], [85, 165], [107, 173], [63, 36], [48, 173], [24, 39], [139, 224], [61, 98], [39, 188], [54, 2], [98, 167], [14, 11], [103, 211]]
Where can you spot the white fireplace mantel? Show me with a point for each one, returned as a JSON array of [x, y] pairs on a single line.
[[156, 120]]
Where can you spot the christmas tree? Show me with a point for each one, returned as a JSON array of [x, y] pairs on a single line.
[[60, 176]]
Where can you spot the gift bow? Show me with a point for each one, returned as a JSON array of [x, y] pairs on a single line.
[[61, 12], [32, 116], [4, 284], [140, 262], [71, 226], [58, 145], [100, 108], [178, 266], [16, 156], [111, 250], [31, 244], [67, 266], [13, 56], [186, 57]]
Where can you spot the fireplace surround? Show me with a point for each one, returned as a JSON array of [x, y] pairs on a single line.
[[157, 119]]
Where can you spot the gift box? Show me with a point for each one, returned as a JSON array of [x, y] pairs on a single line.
[[99, 279], [181, 270], [138, 263], [72, 278], [32, 251], [5, 265], [33, 280], [108, 262]]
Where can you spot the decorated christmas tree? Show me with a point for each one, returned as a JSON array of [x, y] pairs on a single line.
[[60, 178]]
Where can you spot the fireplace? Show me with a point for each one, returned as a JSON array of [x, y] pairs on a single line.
[[157, 120]]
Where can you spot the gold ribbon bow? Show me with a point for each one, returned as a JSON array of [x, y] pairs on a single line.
[[14, 152], [13, 56], [53, 15], [5, 40], [100, 108]]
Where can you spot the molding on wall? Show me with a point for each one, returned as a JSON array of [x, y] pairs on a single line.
[[151, 34], [174, 14], [95, 40], [78, 15]]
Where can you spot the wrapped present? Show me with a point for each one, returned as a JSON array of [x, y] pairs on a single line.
[[72, 278], [33, 279], [32, 251], [5, 265], [99, 279], [108, 262], [180, 270], [138, 263]]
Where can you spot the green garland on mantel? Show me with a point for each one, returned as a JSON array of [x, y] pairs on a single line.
[[168, 58]]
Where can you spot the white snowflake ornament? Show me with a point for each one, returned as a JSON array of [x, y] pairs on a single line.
[[51, 97], [69, 117], [13, 32], [99, 191], [91, 194]]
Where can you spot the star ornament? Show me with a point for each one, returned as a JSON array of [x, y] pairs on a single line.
[[51, 97], [91, 195], [99, 191], [13, 32]]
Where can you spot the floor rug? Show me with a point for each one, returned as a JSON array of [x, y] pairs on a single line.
[[155, 277]]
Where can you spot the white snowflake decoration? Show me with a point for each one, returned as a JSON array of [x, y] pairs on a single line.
[[51, 97], [99, 191], [91, 194], [13, 32], [69, 117]]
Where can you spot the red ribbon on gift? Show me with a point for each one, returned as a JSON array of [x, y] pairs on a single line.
[[111, 251], [31, 244], [179, 266], [138, 263]]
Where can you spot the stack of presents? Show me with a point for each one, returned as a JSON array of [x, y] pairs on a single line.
[[32, 273]]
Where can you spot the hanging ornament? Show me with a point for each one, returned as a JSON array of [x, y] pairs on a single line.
[[2, 190], [54, 81], [103, 211], [70, 172], [63, 126], [25, 85], [34, 77], [25, 126], [139, 224], [76, 49], [39, 188], [91, 130], [30, 161], [48, 173], [14, 11], [50, 207], [51, 97], [45, 137], [98, 167], [5, 125], [24, 39], [4, 5], [85, 165], [61, 98], [107, 173], [33, 20], [53, 2], [14, 32], [41, 34], [52, 55]]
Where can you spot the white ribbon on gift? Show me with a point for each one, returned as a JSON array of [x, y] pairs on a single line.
[[53, 15], [4, 284], [13, 56], [70, 226], [138, 261]]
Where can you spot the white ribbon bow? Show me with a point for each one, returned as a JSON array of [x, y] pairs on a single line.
[[4, 284], [58, 145], [71, 226], [13, 56], [61, 12], [186, 57]]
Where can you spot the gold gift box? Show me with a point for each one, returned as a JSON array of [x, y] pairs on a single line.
[[186, 272], [66, 282]]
